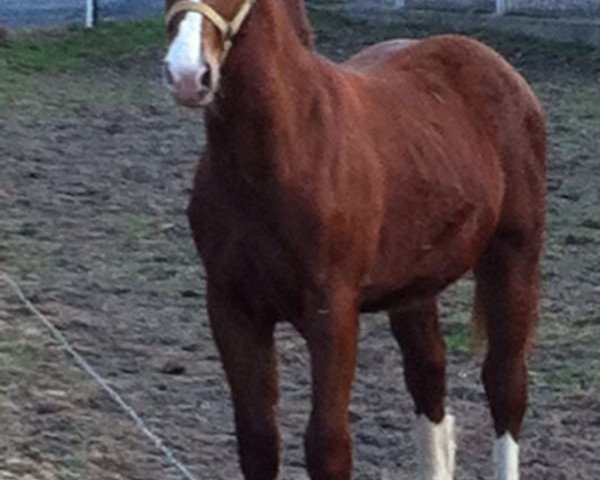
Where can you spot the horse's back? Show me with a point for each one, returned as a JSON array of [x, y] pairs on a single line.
[[465, 64], [380, 53]]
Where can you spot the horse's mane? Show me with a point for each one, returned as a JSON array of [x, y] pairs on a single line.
[[297, 14]]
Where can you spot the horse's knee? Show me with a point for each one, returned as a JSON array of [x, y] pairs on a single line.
[[328, 453], [259, 448]]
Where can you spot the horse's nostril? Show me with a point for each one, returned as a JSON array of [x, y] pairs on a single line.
[[205, 78], [167, 75]]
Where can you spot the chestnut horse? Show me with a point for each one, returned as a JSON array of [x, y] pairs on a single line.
[[328, 189]]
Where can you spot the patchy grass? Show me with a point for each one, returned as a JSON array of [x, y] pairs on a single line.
[[26, 56], [25, 253], [16, 356], [584, 104], [458, 337], [593, 223], [140, 227], [73, 466]]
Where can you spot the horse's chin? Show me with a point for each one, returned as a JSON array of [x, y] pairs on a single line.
[[196, 104], [207, 101]]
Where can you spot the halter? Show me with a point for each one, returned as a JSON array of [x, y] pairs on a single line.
[[228, 29]]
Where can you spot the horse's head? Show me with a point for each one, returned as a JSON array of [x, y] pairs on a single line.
[[200, 35]]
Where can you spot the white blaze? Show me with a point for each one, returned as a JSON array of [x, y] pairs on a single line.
[[506, 458], [436, 448], [185, 53]]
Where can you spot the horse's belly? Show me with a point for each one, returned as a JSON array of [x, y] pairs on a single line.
[[424, 258], [374, 298], [386, 291]]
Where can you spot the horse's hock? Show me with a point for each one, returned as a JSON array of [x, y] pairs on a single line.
[[573, 21]]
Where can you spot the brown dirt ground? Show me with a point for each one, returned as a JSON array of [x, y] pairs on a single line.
[[95, 175]]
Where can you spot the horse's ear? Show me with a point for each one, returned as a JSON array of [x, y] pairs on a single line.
[[297, 13]]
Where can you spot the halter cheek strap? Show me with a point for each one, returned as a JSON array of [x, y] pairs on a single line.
[[228, 28]]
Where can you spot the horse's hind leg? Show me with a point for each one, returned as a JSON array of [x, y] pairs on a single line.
[[248, 355], [506, 302], [417, 330]]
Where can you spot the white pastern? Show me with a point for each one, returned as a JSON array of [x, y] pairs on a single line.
[[506, 458], [185, 53], [436, 447]]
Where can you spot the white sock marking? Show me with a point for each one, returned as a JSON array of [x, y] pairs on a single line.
[[436, 448], [506, 458]]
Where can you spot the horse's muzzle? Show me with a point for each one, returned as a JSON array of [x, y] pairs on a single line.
[[191, 89]]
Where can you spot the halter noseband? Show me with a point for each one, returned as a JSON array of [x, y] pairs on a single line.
[[228, 29]]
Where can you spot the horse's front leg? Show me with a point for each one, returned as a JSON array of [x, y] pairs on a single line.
[[331, 335], [247, 351]]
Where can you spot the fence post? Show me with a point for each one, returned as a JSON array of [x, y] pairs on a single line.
[[91, 13], [501, 7]]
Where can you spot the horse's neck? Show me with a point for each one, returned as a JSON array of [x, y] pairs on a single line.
[[263, 85], [275, 45]]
